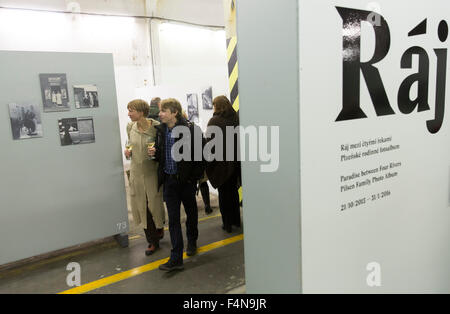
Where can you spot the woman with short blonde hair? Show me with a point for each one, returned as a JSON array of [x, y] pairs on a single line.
[[146, 201]]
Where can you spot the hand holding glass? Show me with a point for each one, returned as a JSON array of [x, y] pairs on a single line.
[[128, 150], [151, 148]]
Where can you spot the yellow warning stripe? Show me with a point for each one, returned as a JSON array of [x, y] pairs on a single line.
[[146, 268], [206, 218], [236, 104], [233, 76], [231, 45]]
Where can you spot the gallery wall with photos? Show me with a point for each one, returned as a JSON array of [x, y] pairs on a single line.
[[50, 103], [26, 119]]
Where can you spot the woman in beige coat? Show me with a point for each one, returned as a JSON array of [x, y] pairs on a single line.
[[146, 201]]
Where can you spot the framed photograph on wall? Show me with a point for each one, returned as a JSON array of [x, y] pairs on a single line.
[[86, 96], [192, 100], [55, 96], [207, 99], [73, 131], [25, 121]]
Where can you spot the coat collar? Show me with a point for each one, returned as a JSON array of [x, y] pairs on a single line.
[[148, 132], [162, 127]]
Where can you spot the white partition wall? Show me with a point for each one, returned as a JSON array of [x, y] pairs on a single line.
[[360, 202], [56, 196], [268, 96]]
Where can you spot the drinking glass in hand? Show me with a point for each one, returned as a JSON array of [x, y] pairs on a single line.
[[129, 147], [150, 144]]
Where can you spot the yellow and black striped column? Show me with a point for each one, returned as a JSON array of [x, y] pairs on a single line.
[[230, 29], [233, 71]]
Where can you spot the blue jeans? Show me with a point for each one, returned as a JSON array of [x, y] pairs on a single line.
[[174, 193]]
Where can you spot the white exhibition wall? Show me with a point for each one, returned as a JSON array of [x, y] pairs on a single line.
[[375, 146]]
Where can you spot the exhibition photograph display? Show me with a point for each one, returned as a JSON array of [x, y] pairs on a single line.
[[207, 98], [76, 131], [25, 121], [86, 96], [192, 108], [54, 92]]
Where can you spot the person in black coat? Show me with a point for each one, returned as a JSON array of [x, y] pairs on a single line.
[[155, 105], [178, 177], [222, 173]]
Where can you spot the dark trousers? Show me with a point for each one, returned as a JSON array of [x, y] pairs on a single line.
[[204, 189], [150, 232], [174, 194], [229, 202]]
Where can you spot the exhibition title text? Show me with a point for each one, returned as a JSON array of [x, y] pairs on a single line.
[[352, 66]]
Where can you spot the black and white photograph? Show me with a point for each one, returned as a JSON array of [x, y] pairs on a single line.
[[192, 100], [25, 121], [207, 99], [55, 95], [73, 131], [86, 96]]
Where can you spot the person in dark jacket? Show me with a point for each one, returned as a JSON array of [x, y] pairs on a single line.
[[222, 173], [155, 105], [178, 176]]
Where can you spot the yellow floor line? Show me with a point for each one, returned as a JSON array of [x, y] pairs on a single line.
[[143, 269], [209, 217]]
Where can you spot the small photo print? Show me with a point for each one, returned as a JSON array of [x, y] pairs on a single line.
[[86, 96], [55, 95], [192, 100], [207, 99], [73, 131], [25, 121]]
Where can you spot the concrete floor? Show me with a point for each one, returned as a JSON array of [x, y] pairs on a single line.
[[219, 270]]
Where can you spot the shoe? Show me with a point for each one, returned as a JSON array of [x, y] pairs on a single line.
[[160, 233], [170, 266], [208, 210], [191, 249], [151, 249]]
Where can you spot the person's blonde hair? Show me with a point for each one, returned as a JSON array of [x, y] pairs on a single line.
[[139, 105], [173, 105]]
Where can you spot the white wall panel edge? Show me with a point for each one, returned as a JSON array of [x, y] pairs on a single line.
[[268, 91]]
